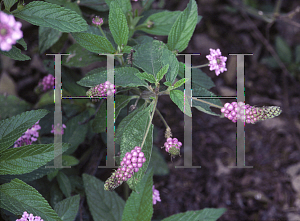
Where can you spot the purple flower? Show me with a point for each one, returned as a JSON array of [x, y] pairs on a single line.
[[10, 31], [239, 111], [105, 89], [155, 195], [58, 129], [29, 136], [172, 146], [29, 217], [216, 61], [47, 82], [130, 164], [97, 21]]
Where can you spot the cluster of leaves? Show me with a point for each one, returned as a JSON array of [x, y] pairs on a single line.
[[152, 61]]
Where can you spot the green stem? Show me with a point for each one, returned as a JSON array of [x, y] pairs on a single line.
[[157, 111], [211, 104], [201, 66], [150, 122], [102, 32]]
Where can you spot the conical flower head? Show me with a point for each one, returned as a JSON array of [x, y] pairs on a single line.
[[130, 164], [104, 89]]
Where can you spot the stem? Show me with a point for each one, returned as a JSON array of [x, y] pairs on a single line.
[[157, 111], [211, 104], [102, 32], [146, 134], [201, 66]]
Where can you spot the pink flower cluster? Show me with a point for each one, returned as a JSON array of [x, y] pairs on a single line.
[[58, 129], [10, 31], [155, 195], [172, 146], [239, 111], [105, 89], [47, 82], [97, 21], [29, 136], [130, 164], [29, 217], [216, 61]]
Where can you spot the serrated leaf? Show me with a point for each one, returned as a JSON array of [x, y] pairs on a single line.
[[183, 28], [103, 205], [125, 5], [148, 56], [207, 214], [162, 23], [80, 57], [124, 76], [67, 209], [139, 204], [180, 82], [53, 16], [64, 184], [283, 50], [94, 43], [118, 24], [158, 162], [133, 136], [12, 105], [99, 123], [162, 72], [74, 132], [145, 76], [15, 199], [15, 53], [13, 128], [47, 38], [26, 159], [169, 58], [9, 3], [167, 83], [178, 98]]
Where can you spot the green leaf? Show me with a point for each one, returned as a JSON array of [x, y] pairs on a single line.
[[80, 57], [125, 5], [145, 76], [99, 123], [98, 5], [69, 83], [53, 16], [26, 159], [139, 204], [13, 128], [133, 136], [74, 132], [162, 23], [148, 56], [103, 205], [199, 79], [124, 76], [12, 105], [162, 72], [64, 183], [118, 24], [207, 214], [23, 43], [158, 162], [180, 82], [36, 174], [9, 3], [203, 106], [178, 98], [182, 30], [167, 57], [126, 121], [17, 197], [47, 38], [167, 83], [94, 43], [283, 50], [15, 53], [67, 209]]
